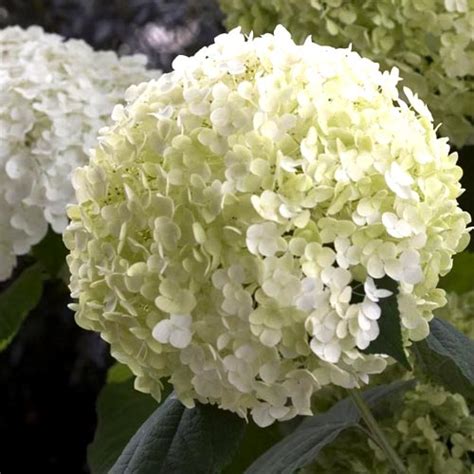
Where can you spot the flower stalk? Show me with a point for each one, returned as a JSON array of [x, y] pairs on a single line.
[[377, 432]]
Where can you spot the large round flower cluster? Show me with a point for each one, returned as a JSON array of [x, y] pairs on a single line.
[[433, 431], [54, 97], [239, 224], [430, 41]]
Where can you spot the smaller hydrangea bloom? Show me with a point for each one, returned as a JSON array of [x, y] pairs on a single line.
[[55, 95], [437, 64], [230, 235], [432, 430]]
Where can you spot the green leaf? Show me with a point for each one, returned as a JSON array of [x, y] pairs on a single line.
[[447, 358], [178, 440], [120, 410], [51, 253], [301, 447], [461, 278], [254, 443], [17, 300], [118, 373], [390, 339]]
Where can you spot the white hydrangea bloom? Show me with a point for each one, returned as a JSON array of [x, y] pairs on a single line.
[[236, 220], [54, 97]]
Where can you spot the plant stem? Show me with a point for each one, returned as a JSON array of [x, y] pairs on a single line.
[[377, 432]]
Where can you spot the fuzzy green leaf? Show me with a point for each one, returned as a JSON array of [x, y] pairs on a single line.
[[178, 440], [447, 358], [120, 410]]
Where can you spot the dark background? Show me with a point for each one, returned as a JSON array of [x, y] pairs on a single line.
[[51, 374]]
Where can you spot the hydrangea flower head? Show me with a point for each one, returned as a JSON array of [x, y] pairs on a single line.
[[54, 97], [237, 221], [436, 61]]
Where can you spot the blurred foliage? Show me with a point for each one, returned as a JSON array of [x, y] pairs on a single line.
[[460, 279], [17, 301], [161, 29]]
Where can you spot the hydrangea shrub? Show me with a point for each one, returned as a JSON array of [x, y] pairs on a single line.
[[54, 97], [237, 223], [430, 41], [433, 431]]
